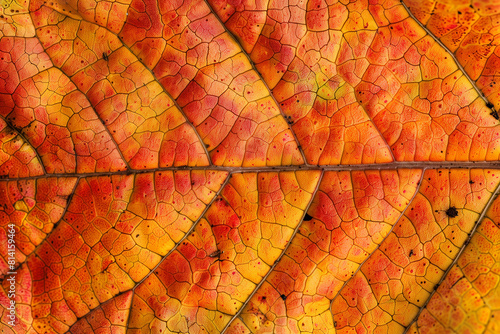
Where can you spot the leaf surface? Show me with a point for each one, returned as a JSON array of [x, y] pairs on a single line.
[[470, 31], [249, 166]]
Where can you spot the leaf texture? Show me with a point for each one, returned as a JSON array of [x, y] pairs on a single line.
[[270, 166], [469, 30]]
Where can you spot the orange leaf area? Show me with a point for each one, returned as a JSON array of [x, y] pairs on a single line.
[[17, 157], [468, 300], [203, 67], [113, 233], [361, 82], [209, 276], [469, 29]]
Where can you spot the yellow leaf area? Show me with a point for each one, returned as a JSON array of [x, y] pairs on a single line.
[[468, 300], [115, 230], [470, 30], [207, 279], [391, 286]]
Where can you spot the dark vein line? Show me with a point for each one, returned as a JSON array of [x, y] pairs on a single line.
[[186, 235], [277, 261], [430, 11], [103, 125], [21, 135], [86, 98], [155, 79], [394, 165], [111, 300], [437, 40], [337, 295], [371, 120], [202, 143], [269, 90], [374, 166], [455, 260]]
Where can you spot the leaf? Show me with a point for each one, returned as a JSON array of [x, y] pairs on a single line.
[[249, 166]]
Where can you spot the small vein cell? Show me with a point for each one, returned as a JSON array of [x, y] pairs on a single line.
[[316, 90]]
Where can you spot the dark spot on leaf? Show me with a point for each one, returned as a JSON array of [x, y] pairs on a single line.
[[452, 212], [307, 217]]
